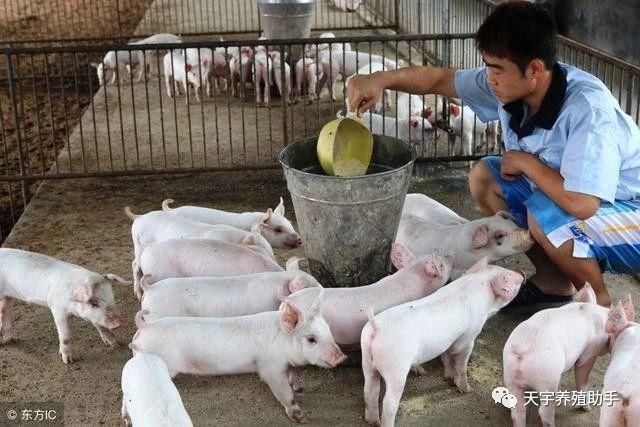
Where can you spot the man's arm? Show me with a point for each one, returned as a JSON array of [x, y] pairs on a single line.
[[364, 91], [550, 182]]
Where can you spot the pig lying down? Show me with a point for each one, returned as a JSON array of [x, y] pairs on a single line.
[[270, 344], [272, 224], [494, 237], [67, 289], [549, 343], [149, 397], [345, 309], [444, 323], [623, 374], [223, 296]]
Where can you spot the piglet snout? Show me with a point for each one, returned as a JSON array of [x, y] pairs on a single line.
[[294, 243], [113, 319]]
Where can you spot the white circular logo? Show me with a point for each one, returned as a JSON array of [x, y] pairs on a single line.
[[12, 414]]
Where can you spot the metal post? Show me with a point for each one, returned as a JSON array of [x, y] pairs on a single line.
[[396, 12], [14, 105]]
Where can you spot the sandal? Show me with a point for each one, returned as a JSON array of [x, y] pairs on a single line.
[[531, 294]]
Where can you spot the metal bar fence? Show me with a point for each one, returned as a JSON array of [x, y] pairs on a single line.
[[33, 21]]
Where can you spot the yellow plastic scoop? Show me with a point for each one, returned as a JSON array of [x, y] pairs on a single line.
[[345, 146]]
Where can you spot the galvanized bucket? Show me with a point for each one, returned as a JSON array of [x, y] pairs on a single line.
[[286, 19], [347, 224]]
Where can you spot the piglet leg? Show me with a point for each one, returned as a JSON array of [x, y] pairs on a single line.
[[61, 319], [5, 320], [278, 381]]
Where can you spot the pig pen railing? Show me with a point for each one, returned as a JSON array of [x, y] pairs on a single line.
[[55, 22], [56, 122]]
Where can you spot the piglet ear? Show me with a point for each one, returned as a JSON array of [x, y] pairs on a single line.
[[279, 210], [117, 280], [81, 290], [479, 265], [264, 221], [296, 284], [290, 316], [401, 257], [427, 112], [586, 294], [505, 215], [316, 306], [480, 237], [455, 110], [293, 263], [629, 311], [617, 320]]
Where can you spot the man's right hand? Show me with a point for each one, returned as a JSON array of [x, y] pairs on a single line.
[[364, 91]]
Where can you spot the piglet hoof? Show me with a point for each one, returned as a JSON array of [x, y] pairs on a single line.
[[66, 357], [372, 420], [418, 370], [463, 388], [298, 416], [8, 339], [110, 341]]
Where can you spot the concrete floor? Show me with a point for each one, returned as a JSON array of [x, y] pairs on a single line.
[[81, 221]]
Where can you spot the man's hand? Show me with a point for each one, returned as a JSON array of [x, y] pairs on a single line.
[[516, 163], [364, 91]]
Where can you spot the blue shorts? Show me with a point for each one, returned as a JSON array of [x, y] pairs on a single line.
[[611, 235]]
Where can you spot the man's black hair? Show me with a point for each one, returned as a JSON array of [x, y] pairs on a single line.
[[519, 31]]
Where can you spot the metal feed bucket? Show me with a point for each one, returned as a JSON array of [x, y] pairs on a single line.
[[348, 223], [286, 19]]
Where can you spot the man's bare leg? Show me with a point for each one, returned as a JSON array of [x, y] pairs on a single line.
[[489, 198]]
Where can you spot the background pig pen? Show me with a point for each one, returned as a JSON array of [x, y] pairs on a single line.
[[81, 221]]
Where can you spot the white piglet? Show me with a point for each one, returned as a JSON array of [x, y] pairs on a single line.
[[201, 61], [444, 323], [413, 130], [263, 76], [430, 210], [306, 72], [203, 257], [346, 308], [148, 58], [281, 67], [149, 397], [409, 105], [549, 343], [224, 296], [622, 379], [115, 63], [272, 224], [270, 344], [495, 237], [178, 75], [67, 289]]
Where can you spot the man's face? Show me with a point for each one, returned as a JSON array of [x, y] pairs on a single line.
[[506, 80]]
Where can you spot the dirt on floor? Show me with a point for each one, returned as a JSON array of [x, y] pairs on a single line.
[[48, 113]]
